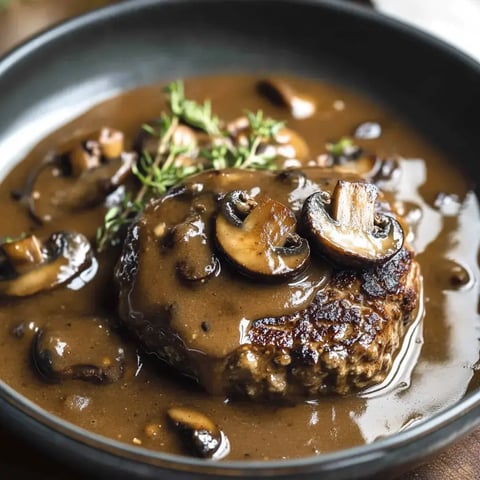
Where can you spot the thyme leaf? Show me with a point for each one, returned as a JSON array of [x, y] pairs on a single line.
[[191, 112], [158, 173]]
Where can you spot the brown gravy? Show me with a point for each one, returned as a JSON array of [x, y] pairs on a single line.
[[133, 410]]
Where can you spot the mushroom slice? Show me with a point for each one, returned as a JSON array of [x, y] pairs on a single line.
[[280, 93], [83, 157], [78, 349], [94, 185], [200, 434], [103, 146], [258, 237], [195, 260], [352, 234], [63, 256], [84, 175]]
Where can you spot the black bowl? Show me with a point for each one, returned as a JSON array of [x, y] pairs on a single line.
[[64, 71]]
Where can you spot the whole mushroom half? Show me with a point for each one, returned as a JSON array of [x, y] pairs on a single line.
[[257, 236], [346, 227], [28, 266]]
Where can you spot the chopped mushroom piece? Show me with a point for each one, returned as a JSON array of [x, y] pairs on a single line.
[[78, 349], [280, 93], [23, 254], [346, 227], [199, 433], [63, 256], [257, 235], [112, 143], [101, 147], [83, 157], [94, 185]]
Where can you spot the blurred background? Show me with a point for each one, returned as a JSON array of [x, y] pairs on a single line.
[[455, 21]]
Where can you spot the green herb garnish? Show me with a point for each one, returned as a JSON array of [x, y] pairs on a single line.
[[160, 172], [341, 148]]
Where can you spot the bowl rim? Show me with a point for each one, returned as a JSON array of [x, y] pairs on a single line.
[[329, 461]]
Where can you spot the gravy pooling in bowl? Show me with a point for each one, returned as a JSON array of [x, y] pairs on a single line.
[[133, 409]]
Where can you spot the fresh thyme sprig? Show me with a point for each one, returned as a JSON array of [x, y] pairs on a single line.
[[191, 112], [115, 220], [157, 174], [118, 216], [343, 150], [262, 129]]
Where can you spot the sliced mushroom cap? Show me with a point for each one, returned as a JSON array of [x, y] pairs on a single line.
[[195, 260], [184, 232], [95, 184], [257, 236], [200, 434], [78, 349], [63, 256], [80, 177], [281, 93], [347, 229]]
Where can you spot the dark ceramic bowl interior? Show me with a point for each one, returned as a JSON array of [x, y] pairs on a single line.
[[64, 71]]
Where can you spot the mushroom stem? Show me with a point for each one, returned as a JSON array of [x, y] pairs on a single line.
[[353, 204], [346, 227]]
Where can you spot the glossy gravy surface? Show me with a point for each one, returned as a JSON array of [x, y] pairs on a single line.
[[133, 410]]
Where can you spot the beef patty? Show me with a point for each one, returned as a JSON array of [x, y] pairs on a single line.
[[324, 328]]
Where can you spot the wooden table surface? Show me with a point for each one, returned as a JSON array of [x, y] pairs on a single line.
[[18, 460]]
